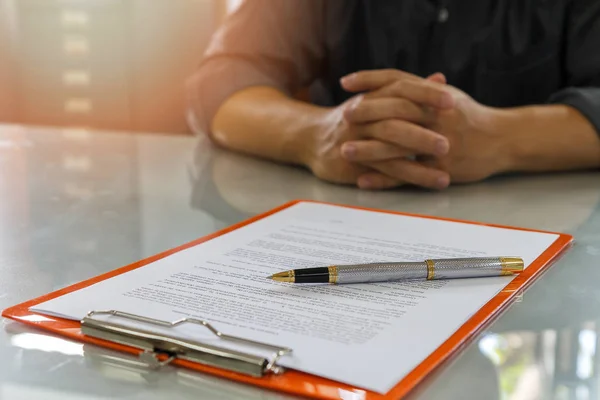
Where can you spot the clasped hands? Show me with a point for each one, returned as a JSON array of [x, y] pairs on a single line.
[[402, 129]]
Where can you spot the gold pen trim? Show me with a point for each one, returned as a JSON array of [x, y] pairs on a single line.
[[286, 276], [430, 270], [333, 274], [511, 265]]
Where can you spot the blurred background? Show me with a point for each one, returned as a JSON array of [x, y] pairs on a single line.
[[105, 64]]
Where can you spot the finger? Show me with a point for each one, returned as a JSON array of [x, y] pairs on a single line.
[[372, 150], [423, 92], [415, 138], [371, 80], [413, 172], [376, 109], [434, 162], [377, 181], [438, 77]]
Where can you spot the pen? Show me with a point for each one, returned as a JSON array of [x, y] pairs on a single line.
[[452, 268]]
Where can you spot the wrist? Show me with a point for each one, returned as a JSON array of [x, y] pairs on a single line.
[[305, 136], [311, 138], [498, 125], [517, 144]]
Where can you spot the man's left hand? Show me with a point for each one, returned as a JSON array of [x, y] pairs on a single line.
[[476, 151]]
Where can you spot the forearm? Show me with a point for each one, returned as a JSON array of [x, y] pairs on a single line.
[[547, 138], [263, 122]]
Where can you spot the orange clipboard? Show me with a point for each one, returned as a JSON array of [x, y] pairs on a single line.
[[295, 382]]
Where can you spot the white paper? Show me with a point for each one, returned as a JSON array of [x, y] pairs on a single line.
[[367, 335]]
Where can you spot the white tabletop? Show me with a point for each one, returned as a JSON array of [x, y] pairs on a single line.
[[74, 204]]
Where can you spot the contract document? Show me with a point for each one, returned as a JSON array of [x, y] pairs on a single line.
[[366, 335]]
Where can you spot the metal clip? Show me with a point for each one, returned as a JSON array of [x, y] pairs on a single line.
[[155, 344], [151, 359]]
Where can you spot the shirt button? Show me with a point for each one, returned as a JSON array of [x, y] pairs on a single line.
[[443, 15]]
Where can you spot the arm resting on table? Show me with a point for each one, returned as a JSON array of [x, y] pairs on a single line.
[[264, 122], [549, 138]]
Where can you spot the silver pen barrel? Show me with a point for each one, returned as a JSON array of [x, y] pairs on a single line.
[[426, 270]]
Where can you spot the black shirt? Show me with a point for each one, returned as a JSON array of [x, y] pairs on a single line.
[[504, 53]]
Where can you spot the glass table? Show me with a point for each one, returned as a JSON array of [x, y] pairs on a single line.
[[75, 203]]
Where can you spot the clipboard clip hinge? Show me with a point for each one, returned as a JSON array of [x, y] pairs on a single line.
[[151, 359], [159, 350]]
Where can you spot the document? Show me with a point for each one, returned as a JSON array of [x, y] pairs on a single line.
[[366, 335]]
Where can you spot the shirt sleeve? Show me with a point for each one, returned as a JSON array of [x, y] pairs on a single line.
[[275, 43], [582, 61]]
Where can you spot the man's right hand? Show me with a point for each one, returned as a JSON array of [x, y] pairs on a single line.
[[386, 128]]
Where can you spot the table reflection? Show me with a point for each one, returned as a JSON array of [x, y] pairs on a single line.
[[122, 374], [246, 186]]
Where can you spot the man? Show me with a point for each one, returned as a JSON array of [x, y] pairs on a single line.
[[424, 92]]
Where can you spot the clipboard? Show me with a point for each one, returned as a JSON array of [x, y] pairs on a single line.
[[156, 350]]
